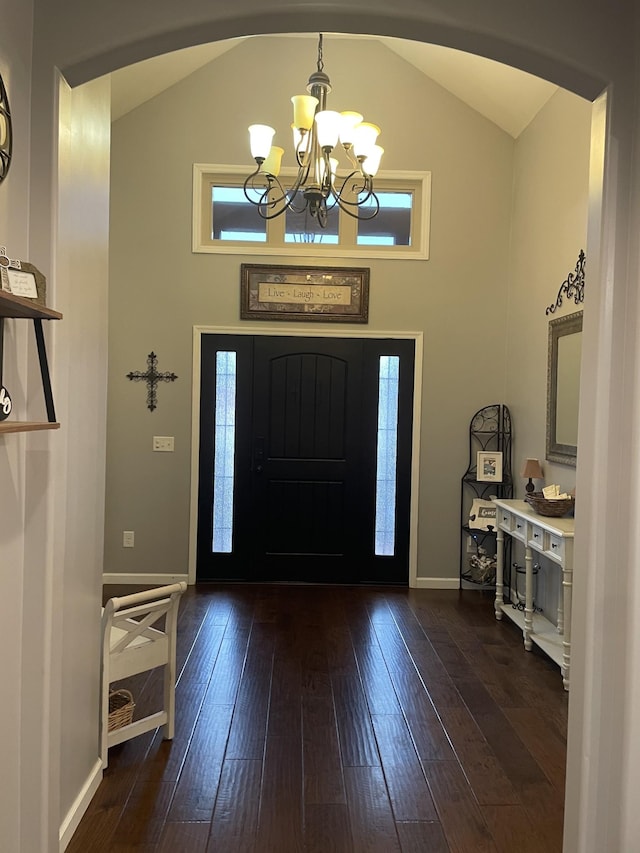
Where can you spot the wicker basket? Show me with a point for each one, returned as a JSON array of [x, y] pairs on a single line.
[[550, 508], [121, 707]]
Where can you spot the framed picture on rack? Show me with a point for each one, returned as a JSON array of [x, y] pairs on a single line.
[[489, 466]]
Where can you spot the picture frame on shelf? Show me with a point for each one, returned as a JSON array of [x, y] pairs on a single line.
[[489, 466]]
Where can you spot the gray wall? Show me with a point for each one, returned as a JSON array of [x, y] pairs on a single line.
[[549, 227], [159, 289]]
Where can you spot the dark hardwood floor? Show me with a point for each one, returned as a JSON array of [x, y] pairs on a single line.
[[328, 719]]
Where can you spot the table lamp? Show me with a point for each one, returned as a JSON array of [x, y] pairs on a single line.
[[533, 471]]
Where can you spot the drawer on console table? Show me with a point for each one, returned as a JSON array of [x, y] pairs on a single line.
[[555, 548], [536, 537], [505, 520], [519, 529]]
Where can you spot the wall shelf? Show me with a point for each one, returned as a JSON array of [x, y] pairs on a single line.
[[26, 426], [18, 308]]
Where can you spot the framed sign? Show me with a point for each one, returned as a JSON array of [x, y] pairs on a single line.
[[315, 294], [22, 279], [482, 515], [489, 465]]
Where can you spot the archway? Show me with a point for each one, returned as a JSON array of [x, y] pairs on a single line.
[[497, 47]]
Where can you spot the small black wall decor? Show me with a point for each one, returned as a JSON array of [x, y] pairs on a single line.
[[151, 376], [572, 287]]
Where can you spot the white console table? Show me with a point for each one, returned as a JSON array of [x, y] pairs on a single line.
[[552, 537]]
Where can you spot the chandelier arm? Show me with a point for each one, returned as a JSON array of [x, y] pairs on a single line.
[[249, 182], [345, 207], [359, 187], [264, 203], [262, 191]]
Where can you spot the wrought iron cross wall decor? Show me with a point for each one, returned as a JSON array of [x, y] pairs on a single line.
[[572, 286], [151, 376]]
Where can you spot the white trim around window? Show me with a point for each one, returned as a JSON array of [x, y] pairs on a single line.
[[417, 184]]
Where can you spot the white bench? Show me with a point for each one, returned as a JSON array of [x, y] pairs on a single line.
[[131, 644]]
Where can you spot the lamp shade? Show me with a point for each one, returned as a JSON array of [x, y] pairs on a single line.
[[271, 165], [348, 124], [260, 136], [304, 108], [371, 163], [364, 138], [328, 124], [532, 469]]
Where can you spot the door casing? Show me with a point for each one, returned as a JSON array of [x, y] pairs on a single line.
[[279, 331]]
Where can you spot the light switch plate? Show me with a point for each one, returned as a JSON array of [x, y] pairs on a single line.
[[163, 443]]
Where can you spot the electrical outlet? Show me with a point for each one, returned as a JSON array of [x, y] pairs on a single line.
[[128, 538], [163, 443]]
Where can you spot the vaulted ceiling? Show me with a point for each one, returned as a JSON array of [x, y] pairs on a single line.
[[506, 96]]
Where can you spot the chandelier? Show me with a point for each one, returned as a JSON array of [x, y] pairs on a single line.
[[317, 187]]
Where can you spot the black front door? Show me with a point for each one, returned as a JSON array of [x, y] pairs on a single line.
[[302, 485]]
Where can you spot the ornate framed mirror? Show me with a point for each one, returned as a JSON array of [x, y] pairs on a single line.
[[563, 388]]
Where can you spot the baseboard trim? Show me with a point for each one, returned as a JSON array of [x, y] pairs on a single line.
[[79, 807], [140, 579], [437, 583]]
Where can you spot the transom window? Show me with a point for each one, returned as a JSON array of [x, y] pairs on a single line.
[[224, 221]]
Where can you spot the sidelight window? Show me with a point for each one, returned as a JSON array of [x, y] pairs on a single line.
[[387, 455], [224, 455]]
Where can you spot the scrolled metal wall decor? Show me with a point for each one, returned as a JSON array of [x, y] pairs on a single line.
[[6, 132], [572, 287]]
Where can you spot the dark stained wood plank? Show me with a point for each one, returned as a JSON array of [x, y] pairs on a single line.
[[184, 836], [323, 782], [408, 790], [281, 804], [327, 829], [143, 819], [462, 821], [546, 811], [235, 819], [422, 837], [166, 758], [542, 741], [285, 710], [372, 824], [203, 653], [517, 763], [97, 826], [376, 682], [248, 729], [357, 741], [434, 675], [512, 829], [227, 671], [200, 774], [479, 762], [429, 735]]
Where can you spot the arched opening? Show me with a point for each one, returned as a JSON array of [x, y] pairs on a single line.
[[586, 86]]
